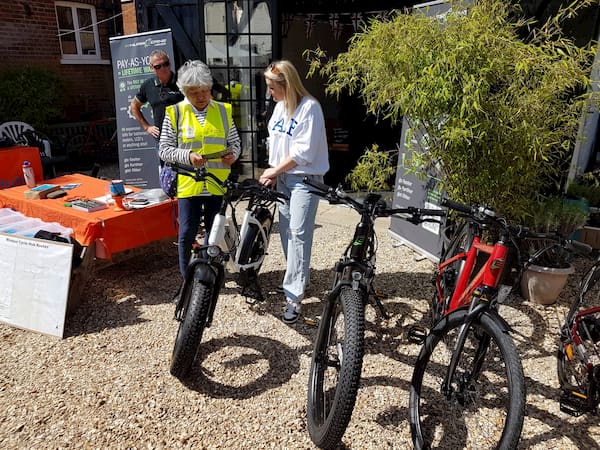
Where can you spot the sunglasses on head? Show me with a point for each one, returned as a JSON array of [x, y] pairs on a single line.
[[273, 68], [160, 66]]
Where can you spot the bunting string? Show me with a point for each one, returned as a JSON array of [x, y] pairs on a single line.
[[338, 22]]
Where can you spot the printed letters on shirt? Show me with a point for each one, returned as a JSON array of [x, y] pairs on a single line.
[[279, 126]]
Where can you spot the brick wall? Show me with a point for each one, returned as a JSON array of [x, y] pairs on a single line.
[[29, 36], [129, 18]]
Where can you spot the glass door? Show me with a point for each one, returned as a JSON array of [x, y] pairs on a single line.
[[239, 45]]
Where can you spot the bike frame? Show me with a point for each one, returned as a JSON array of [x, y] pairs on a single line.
[[250, 218], [358, 260], [478, 291], [571, 338], [574, 332], [488, 277]]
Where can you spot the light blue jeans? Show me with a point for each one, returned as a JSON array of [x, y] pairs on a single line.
[[296, 228]]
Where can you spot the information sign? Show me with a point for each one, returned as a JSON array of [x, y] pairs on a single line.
[[138, 156]]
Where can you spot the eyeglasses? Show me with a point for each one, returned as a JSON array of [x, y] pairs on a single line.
[[160, 66]]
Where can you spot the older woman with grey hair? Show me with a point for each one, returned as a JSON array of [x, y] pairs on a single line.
[[198, 131]]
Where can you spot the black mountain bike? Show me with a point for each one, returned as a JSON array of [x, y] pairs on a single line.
[[338, 350], [240, 247]]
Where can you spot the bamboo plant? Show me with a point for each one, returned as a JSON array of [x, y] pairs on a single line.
[[497, 96]]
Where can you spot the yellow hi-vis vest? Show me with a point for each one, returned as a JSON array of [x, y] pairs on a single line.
[[209, 140]]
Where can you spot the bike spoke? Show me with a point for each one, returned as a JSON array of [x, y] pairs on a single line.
[[477, 397]]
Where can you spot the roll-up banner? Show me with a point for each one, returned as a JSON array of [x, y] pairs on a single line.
[[138, 152], [423, 191]]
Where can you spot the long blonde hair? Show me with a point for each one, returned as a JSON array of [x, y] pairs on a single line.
[[285, 74]]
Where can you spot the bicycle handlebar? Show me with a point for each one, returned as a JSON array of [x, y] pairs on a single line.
[[380, 209], [484, 214], [199, 173], [456, 206], [248, 186]]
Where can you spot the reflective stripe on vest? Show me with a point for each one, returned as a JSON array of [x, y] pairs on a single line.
[[209, 140]]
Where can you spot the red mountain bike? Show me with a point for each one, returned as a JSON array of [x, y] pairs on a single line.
[[578, 357], [468, 374]]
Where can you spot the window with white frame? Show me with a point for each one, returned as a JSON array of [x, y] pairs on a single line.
[[77, 31]]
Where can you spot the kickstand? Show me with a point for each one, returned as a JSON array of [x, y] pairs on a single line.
[[377, 296], [252, 292]]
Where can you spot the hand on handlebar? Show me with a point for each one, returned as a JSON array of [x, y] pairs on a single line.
[[268, 177]]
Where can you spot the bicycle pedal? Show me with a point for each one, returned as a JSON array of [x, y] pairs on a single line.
[[380, 295], [417, 334], [573, 403]]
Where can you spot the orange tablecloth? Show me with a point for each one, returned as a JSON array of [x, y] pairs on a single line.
[[113, 231], [11, 165]]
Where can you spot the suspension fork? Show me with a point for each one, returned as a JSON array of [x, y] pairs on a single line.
[[477, 307], [212, 273], [326, 319], [216, 291]]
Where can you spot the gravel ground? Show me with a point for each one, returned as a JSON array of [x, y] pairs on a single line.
[[107, 383]]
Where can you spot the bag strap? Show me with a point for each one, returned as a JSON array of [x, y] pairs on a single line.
[[177, 122]]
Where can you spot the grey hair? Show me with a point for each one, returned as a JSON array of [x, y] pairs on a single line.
[[159, 54], [194, 74]]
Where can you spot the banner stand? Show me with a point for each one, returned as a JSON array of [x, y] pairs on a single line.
[[138, 152]]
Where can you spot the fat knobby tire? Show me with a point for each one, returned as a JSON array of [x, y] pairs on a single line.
[[327, 424], [189, 334], [487, 325]]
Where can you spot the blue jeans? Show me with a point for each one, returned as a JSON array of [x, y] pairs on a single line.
[[191, 211], [296, 228]]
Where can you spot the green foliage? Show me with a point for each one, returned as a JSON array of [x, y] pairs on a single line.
[[555, 213], [500, 113], [32, 95], [588, 187], [551, 214], [373, 170]]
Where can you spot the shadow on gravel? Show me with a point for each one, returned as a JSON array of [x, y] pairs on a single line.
[[282, 363], [114, 292], [101, 315]]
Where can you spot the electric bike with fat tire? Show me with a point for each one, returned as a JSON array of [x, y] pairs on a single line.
[[337, 357], [241, 248]]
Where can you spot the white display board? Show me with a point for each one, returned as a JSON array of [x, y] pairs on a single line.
[[34, 283]]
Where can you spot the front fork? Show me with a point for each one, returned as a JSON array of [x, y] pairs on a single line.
[[360, 278], [208, 270], [478, 306]]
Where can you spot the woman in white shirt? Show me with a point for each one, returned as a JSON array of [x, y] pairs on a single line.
[[297, 149]]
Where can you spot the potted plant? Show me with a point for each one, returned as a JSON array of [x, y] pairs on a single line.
[[498, 100], [543, 280]]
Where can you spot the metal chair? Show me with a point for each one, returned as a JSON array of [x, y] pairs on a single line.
[[13, 130]]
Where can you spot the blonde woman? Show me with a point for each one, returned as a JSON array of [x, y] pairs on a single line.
[[297, 149]]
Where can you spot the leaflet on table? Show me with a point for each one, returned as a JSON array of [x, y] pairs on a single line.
[[141, 199], [68, 187]]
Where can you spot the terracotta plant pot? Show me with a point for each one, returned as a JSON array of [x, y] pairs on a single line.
[[542, 285]]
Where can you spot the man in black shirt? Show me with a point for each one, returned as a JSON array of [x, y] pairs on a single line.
[[160, 91]]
